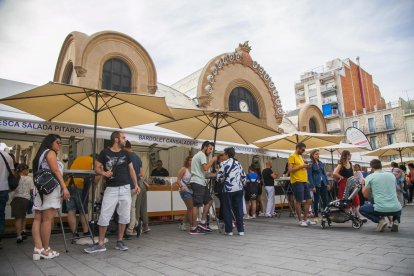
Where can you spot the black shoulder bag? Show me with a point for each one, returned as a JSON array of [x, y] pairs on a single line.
[[219, 185], [11, 179], [45, 180], [226, 174]]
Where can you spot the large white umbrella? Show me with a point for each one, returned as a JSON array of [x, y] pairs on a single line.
[[404, 160], [289, 141], [58, 102], [221, 125], [393, 149]]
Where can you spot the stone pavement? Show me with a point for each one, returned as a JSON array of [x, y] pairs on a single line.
[[270, 247]]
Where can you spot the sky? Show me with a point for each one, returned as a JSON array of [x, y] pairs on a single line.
[[287, 38]]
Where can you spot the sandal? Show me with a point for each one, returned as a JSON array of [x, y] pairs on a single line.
[[51, 254], [37, 253]]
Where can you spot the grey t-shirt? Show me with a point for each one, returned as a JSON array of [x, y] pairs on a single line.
[[197, 172]]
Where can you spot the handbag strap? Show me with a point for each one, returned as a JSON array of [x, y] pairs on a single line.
[[226, 174], [41, 159], [7, 164]]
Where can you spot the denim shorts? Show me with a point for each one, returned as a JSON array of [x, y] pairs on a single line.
[[186, 195], [73, 204], [301, 191]]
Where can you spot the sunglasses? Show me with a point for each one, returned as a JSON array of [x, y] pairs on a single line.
[[58, 142]]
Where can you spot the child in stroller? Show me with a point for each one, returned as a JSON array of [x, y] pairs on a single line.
[[340, 210]]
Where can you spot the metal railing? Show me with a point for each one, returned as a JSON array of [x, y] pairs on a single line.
[[378, 128], [408, 112]]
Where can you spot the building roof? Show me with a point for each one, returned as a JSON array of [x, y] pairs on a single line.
[[287, 125], [173, 97], [293, 113], [188, 85]]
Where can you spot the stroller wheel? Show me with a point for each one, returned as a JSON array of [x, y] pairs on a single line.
[[323, 224], [356, 224]]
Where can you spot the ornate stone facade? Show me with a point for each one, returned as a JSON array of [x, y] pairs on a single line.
[[237, 69], [87, 55]]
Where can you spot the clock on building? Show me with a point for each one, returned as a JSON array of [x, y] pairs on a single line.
[[243, 106]]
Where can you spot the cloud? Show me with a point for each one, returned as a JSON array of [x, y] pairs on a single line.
[[287, 37]]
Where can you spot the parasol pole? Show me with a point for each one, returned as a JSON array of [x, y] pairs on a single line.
[[95, 126], [332, 163], [215, 133]]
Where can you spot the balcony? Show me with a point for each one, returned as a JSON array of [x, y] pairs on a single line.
[[299, 84], [326, 75], [333, 115], [379, 128], [332, 99], [409, 112], [300, 95], [326, 89]]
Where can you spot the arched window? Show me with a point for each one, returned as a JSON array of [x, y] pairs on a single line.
[[68, 74], [312, 126], [242, 100], [116, 76]]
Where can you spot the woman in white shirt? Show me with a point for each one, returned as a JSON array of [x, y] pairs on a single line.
[[45, 209], [21, 201]]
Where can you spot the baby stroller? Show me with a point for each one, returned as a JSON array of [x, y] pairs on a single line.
[[339, 210]]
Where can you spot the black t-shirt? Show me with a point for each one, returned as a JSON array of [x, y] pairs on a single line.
[[119, 162], [267, 177], [160, 173]]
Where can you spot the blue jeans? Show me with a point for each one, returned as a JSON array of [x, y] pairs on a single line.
[[368, 211], [233, 204], [4, 197], [321, 192]]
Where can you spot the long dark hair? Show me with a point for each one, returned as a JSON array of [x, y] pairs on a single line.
[[186, 163], [312, 155], [344, 156], [46, 144]]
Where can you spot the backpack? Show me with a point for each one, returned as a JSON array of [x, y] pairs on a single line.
[[251, 187]]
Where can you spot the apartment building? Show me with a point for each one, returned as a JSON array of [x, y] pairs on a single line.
[[408, 109], [341, 88], [382, 127]]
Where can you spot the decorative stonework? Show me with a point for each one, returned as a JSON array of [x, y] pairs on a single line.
[[80, 71], [152, 89], [240, 56]]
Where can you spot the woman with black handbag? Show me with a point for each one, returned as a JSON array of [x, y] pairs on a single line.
[[45, 205]]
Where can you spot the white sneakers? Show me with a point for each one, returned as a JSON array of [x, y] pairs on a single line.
[[306, 223], [231, 234]]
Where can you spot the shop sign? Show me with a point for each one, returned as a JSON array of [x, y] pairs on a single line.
[[43, 127]]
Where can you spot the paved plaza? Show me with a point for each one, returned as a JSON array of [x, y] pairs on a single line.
[[272, 246]]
